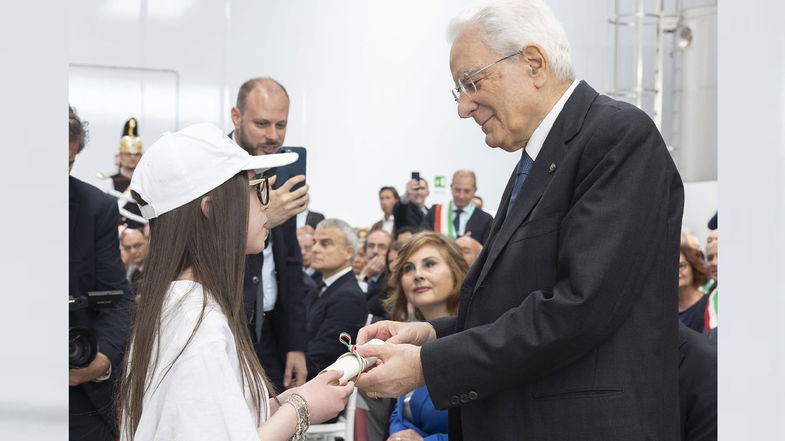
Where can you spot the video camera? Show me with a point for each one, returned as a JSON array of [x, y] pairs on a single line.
[[82, 344]]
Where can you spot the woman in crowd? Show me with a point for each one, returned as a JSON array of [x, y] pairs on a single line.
[[191, 370], [428, 274], [692, 275]]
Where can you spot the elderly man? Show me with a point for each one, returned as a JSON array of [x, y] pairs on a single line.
[[567, 326], [273, 287], [461, 216], [338, 304]]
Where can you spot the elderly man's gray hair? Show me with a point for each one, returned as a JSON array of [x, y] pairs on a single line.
[[508, 26], [349, 236]]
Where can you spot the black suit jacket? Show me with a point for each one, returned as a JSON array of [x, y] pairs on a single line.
[[95, 265], [289, 311], [376, 295], [567, 324], [479, 224], [313, 218], [697, 386], [341, 308], [406, 215]]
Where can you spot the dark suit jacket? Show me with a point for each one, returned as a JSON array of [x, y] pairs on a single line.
[[313, 218], [289, 311], [406, 215], [341, 308], [697, 386], [567, 324], [479, 224], [375, 296], [95, 265]]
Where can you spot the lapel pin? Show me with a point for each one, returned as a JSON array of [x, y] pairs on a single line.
[[552, 168]]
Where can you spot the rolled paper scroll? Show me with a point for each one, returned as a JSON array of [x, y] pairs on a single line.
[[351, 364]]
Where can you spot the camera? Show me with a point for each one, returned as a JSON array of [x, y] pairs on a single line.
[[82, 344]]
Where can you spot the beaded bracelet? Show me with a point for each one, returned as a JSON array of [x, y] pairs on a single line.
[[303, 416]]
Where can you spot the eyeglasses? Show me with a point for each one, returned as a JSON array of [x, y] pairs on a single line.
[[262, 189], [466, 84]]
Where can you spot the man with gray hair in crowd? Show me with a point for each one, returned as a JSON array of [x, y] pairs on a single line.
[[567, 326], [337, 304]]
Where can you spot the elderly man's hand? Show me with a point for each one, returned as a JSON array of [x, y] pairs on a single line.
[[285, 203], [415, 333], [397, 370]]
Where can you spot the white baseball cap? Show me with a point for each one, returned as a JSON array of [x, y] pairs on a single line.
[[185, 165]]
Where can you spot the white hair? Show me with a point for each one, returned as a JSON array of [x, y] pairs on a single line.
[[507, 26], [349, 236]]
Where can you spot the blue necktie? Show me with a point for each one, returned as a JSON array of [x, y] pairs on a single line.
[[456, 222], [524, 166]]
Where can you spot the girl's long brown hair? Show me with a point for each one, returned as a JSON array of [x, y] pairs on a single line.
[[212, 245], [396, 302]]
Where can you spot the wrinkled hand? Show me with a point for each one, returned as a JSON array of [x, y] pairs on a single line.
[[325, 401], [295, 372], [415, 333], [285, 203], [405, 435], [374, 266], [98, 367], [397, 370]]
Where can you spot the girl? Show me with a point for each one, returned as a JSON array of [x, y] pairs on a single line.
[[191, 370]]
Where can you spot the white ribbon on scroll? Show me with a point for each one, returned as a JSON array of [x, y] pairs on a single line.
[[351, 364]]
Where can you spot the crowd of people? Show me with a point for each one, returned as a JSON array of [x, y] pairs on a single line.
[[557, 319]]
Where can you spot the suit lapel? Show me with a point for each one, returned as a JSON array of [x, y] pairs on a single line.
[[566, 126]]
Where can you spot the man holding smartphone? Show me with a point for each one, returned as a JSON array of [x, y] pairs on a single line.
[[273, 289], [410, 209]]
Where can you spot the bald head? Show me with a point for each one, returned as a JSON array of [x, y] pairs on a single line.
[[264, 85], [464, 185]]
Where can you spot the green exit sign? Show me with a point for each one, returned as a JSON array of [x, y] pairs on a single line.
[[439, 182]]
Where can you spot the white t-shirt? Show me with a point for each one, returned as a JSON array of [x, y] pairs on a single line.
[[202, 396]]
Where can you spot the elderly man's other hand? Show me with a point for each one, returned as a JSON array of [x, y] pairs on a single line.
[[285, 203], [416, 333], [397, 370]]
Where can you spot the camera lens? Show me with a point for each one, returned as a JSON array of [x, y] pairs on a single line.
[[82, 348]]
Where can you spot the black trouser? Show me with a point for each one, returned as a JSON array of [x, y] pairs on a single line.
[[272, 359]]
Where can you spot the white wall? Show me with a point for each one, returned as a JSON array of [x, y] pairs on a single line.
[[752, 200], [369, 84]]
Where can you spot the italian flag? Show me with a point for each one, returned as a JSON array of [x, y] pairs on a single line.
[[443, 221]]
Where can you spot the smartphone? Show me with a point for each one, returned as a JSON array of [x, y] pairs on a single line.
[[416, 176], [297, 167]]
